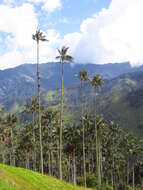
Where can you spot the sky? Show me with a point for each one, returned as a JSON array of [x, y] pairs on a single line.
[[96, 31]]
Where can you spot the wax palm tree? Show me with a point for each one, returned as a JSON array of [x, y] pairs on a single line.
[[38, 36], [10, 121], [31, 108], [26, 144], [63, 57], [72, 134], [97, 82], [83, 76]]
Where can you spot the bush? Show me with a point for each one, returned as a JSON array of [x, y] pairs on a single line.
[[80, 181], [106, 187], [91, 180], [124, 187]]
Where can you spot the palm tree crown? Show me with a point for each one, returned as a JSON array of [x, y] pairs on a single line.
[[83, 75], [38, 36], [97, 81], [63, 55]]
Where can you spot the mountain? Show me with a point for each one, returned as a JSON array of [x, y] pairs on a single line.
[[20, 82], [121, 100], [13, 178]]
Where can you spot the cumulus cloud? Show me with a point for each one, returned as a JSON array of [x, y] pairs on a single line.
[[18, 25], [113, 35]]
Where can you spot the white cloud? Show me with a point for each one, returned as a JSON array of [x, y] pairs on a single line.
[[113, 35], [10, 59], [19, 24]]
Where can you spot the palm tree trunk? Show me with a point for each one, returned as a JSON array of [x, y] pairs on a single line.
[[83, 138], [128, 165], [49, 162], [133, 171], [99, 162], [34, 141], [3, 154], [83, 147], [97, 145], [12, 148], [61, 125], [69, 169], [74, 168], [39, 109], [27, 160]]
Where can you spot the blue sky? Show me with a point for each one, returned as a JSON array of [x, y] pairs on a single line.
[[97, 31], [73, 12]]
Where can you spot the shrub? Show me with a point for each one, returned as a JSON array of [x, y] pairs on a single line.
[[91, 180], [124, 187]]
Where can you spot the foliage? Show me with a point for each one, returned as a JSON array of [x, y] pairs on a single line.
[[91, 180]]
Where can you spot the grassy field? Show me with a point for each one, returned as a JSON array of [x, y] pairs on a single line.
[[12, 178]]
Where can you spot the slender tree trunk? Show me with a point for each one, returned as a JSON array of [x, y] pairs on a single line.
[[128, 165], [12, 148], [133, 171], [89, 155], [74, 168], [39, 110], [83, 137], [52, 158], [113, 165], [83, 147], [97, 145], [112, 179], [92, 162], [27, 160], [49, 162], [10, 157], [34, 141], [99, 161], [3, 157], [61, 125], [69, 168]]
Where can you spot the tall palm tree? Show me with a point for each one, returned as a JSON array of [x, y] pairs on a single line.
[[83, 76], [63, 57], [38, 36], [31, 108], [97, 82], [11, 120]]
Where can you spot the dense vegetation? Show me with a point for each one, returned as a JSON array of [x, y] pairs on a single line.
[[76, 144]]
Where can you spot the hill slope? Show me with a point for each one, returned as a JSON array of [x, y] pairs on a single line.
[[12, 178], [121, 100]]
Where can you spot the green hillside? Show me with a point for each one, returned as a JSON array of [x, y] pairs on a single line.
[[121, 100], [12, 178]]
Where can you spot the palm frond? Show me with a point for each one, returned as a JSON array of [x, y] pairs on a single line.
[[59, 51], [69, 58], [64, 50], [58, 57]]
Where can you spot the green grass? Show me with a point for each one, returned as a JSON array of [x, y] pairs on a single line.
[[12, 178]]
